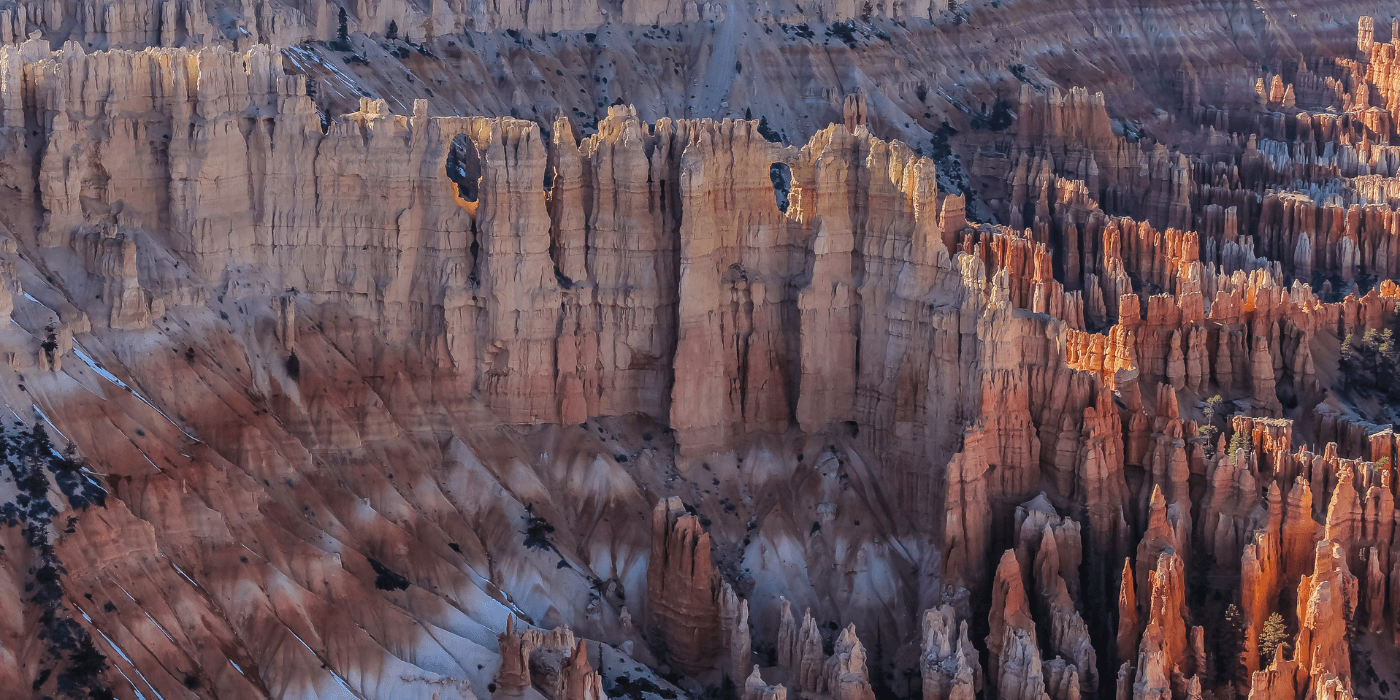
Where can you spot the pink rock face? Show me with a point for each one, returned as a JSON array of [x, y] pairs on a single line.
[[1277, 681], [1327, 601], [581, 682], [1012, 628], [1128, 618], [1164, 640], [847, 677], [1261, 572], [516, 648], [320, 393], [756, 689], [683, 589], [800, 652], [734, 625], [949, 664], [1056, 555]]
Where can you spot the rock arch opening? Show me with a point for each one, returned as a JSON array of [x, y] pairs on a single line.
[[781, 175], [464, 166]]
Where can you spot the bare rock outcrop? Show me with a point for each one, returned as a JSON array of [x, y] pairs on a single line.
[[800, 650], [1327, 602], [1128, 616], [734, 625], [683, 588], [581, 682], [846, 675], [1053, 556], [1013, 661], [325, 368], [948, 663], [756, 689], [1020, 672], [1277, 681], [1163, 653], [513, 677]]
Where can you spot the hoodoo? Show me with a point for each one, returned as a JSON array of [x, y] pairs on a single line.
[[681, 350]]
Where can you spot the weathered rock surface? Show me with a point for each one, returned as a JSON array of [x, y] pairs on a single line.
[[949, 663], [683, 588], [361, 404]]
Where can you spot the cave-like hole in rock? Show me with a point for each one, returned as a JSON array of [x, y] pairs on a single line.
[[781, 175], [464, 166]]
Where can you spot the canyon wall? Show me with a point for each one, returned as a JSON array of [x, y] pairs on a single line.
[[407, 405]]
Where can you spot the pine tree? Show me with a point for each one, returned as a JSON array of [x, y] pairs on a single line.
[[1238, 442], [393, 33], [1213, 406], [1274, 634], [1350, 359], [1388, 365], [1229, 646], [343, 34], [1368, 364]]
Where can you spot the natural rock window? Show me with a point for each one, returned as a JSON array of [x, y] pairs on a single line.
[[463, 166], [781, 176]]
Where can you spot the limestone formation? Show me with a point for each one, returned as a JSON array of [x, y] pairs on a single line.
[[1327, 602], [516, 648], [846, 675], [314, 391], [949, 663], [1162, 653], [1020, 671], [683, 588], [554, 660], [1013, 658], [1128, 630], [808, 665], [581, 682], [734, 624], [756, 689], [788, 633]]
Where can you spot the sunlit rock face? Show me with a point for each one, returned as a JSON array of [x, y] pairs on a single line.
[[833, 350]]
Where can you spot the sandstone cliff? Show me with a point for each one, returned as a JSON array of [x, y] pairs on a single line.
[[360, 405]]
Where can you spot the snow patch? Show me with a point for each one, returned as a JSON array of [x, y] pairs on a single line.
[[40, 412], [182, 572], [329, 670], [98, 368], [158, 625], [30, 297], [113, 379], [127, 659]]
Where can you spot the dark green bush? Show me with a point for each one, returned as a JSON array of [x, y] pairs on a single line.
[[1371, 364]]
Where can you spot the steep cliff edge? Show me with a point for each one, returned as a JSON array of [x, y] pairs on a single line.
[[277, 330]]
